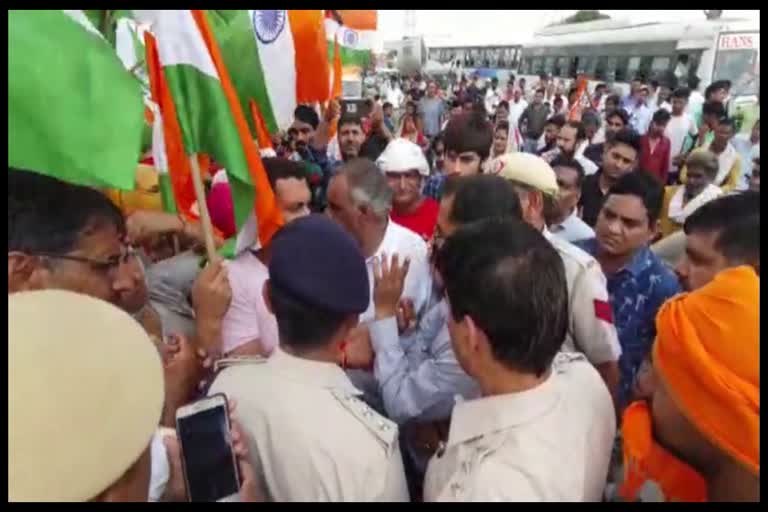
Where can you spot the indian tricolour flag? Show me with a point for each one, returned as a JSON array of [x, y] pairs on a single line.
[[129, 45], [201, 113], [278, 58], [355, 31]]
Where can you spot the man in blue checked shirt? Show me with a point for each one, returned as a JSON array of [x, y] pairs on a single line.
[[638, 281]]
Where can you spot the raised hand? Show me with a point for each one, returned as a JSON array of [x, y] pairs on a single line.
[[389, 279]]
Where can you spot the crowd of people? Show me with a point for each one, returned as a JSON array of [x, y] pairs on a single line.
[[480, 294]]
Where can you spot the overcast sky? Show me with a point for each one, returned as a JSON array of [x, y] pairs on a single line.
[[509, 27]]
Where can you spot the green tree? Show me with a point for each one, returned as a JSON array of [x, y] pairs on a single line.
[[582, 17]]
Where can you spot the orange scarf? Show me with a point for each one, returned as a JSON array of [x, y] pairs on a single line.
[[647, 464]]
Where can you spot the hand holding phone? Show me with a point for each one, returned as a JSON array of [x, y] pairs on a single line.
[[207, 452], [248, 489]]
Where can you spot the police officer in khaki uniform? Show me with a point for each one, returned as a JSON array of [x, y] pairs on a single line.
[[311, 437], [544, 426], [590, 328]]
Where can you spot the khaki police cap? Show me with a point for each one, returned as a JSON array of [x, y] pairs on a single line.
[[529, 170], [85, 394]]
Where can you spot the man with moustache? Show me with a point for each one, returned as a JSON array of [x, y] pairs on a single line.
[[638, 281]]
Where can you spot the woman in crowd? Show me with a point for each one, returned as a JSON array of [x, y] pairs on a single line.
[[503, 143], [409, 130]]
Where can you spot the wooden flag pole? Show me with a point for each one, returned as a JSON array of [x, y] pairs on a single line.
[[202, 206]]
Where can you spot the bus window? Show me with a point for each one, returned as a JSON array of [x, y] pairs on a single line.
[[587, 66], [549, 63], [610, 69], [525, 66], [563, 61], [622, 70], [537, 67], [633, 67], [742, 67], [660, 64], [574, 67], [645, 66], [600, 65]]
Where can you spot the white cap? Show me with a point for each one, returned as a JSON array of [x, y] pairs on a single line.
[[403, 155]]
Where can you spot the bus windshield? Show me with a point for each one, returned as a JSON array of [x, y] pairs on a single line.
[[738, 60]]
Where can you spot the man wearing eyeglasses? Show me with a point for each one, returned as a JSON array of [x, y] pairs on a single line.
[[405, 167], [71, 237]]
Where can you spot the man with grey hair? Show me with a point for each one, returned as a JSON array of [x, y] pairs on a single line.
[[360, 199]]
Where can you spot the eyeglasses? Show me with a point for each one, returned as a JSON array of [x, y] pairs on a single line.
[[108, 266]]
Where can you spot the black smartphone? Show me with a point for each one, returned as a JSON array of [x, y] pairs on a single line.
[[210, 466]]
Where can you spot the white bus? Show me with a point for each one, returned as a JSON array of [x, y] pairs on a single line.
[[614, 52], [488, 61]]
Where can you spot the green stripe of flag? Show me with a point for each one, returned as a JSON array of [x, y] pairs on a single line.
[[166, 193], [208, 126], [74, 112], [350, 57], [234, 33]]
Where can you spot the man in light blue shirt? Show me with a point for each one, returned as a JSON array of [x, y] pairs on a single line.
[[634, 91], [418, 374], [431, 110], [565, 222], [640, 113], [572, 229], [748, 147]]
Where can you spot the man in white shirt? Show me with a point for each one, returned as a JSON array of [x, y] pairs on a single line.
[[680, 127], [662, 99], [565, 222], [681, 69], [544, 427], [360, 199], [696, 99], [571, 143], [492, 96], [516, 107], [393, 94]]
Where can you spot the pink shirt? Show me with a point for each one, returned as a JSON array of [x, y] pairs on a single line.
[[247, 318]]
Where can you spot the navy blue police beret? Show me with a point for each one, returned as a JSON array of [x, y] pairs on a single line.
[[319, 263]]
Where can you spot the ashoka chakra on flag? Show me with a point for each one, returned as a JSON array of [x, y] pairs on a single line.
[[268, 24], [350, 38]]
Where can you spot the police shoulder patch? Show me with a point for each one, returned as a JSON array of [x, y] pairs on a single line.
[[227, 362], [382, 428]]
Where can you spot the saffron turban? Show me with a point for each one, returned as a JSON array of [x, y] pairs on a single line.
[[707, 352]]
